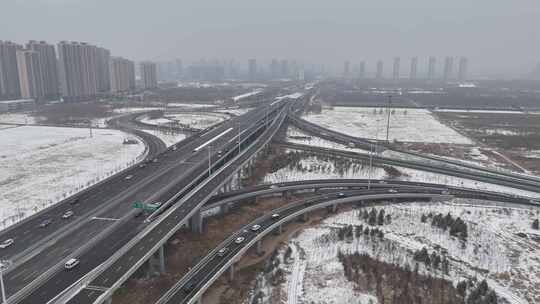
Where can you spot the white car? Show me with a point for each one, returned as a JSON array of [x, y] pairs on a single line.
[[222, 251], [275, 216], [67, 214], [392, 190], [128, 177], [255, 227], [239, 240], [71, 263], [6, 243]]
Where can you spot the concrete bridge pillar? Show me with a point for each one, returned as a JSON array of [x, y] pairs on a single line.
[[286, 195], [334, 208], [156, 263], [225, 208], [304, 217], [196, 222], [259, 249], [279, 230], [231, 273]]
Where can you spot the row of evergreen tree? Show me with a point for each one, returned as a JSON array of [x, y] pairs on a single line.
[[455, 226]]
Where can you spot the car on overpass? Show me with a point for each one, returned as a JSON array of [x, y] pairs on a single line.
[[71, 263], [6, 243], [239, 240]]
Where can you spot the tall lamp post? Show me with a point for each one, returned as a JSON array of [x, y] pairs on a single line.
[[239, 127], [4, 264], [388, 119], [209, 160]]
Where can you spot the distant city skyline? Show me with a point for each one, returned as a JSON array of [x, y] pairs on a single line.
[[495, 35]]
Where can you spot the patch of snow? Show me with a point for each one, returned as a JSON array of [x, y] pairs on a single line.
[[246, 95], [406, 125], [190, 105], [40, 166], [136, 109], [169, 138], [18, 118]]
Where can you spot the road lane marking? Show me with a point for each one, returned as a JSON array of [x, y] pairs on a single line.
[[104, 218]]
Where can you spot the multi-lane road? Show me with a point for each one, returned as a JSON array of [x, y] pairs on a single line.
[[102, 211]]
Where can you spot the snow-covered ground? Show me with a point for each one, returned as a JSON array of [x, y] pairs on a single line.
[[406, 125], [190, 105], [235, 111], [297, 136], [136, 109], [169, 138], [18, 118], [197, 120], [246, 95], [40, 166], [493, 250], [318, 167]]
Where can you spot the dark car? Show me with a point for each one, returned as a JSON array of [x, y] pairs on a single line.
[[74, 201], [45, 223], [188, 287]]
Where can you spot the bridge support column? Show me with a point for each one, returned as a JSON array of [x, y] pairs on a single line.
[[279, 230], [303, 218], [225, 208], [334, 208], [259, 249], [196, 222], [156, 263], [231, 273], [286, 195], [161, 254]]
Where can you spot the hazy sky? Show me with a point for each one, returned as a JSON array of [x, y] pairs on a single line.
[[497, 35]]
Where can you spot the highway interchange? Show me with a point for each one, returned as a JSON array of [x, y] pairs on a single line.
[[106, 229]]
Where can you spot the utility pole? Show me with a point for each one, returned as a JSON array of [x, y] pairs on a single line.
[[4, 264], [90, 127], [388, 119], [209, 161], [239, 125]]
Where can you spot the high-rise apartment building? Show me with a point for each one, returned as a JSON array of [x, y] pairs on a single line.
[[103, 57], [48, 66], [397, 64], [122, 74], [362, 70], [462, 69], [252, 69], [379, 74], [149, 75], [347, 69], [448, 68], [284, 68], [274, 69], [431, 68], [81, 70], [30, 74], [9, 74], [414, 68]]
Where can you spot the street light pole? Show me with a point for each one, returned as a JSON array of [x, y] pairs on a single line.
[[209, 161], [239, 124], [388, 119], [4, 264]]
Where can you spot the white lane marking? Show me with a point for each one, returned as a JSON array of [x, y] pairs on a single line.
[[213, 139], [104, 218]]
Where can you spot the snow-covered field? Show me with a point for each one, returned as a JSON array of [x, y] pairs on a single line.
[[406, 125], [135, 109], [169, 138], [190, 105], [236, 111], [493, 250], [197, 120], [40, 166], [317, 167], [246, 95], [18, 118]]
